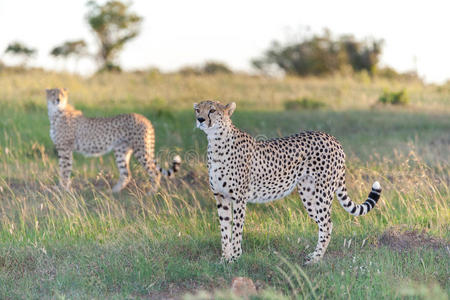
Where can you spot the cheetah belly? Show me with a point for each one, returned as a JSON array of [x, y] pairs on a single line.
[[270, 181], [263, 193], [91, 146], [96, 139], [93, 151]]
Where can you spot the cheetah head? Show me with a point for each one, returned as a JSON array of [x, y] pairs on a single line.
[[56, 100], [211, 115]]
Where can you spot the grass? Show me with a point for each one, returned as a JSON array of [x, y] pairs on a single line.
[[92, 244]]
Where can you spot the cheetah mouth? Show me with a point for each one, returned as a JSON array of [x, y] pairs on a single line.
[[202, 125]]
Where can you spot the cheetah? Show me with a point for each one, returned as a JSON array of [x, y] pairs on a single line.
[[124, 134], [243, 169]]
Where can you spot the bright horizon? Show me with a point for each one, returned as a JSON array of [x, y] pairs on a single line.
[[180, 33]]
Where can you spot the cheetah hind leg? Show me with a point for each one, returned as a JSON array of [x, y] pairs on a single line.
[[319, 212], [123, 155], [144, 155], [325, 229]]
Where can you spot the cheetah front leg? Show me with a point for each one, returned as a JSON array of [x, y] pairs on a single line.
[[239, 206], [224, 210], [123, 155], [65, 166]]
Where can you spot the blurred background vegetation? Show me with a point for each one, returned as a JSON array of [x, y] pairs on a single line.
[[114, 24]]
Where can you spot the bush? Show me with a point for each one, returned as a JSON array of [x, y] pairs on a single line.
[[392, 74], [322, 54], [213, 67], [110, 67], [190, 71], [394, 98], [209, 68], [303, 104]]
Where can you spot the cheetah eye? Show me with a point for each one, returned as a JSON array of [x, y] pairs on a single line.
[[197, 110], [212, 111]]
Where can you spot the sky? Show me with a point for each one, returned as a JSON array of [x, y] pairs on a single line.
[[179, 33]]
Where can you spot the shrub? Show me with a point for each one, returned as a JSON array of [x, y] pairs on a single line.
[[303, 104], [190, 71], [110, 67], [392, 74], [394, 98], [322, 54], [213, 67], [208, 68]]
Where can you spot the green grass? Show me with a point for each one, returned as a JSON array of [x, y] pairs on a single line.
[[91, 244]]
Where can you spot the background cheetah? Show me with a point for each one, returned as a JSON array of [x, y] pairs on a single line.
[[243, 170], [124, 134]]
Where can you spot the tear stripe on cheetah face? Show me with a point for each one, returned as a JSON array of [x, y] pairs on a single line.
[[124, 134], [242, 169]]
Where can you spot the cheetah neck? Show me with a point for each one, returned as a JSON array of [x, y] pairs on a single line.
[[224, 137], [68, 111], [215, 134]]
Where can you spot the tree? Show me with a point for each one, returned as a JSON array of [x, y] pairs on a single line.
[[76, 49], [70, 48], [114, 25], [20, 50], [362, 55], [320, 55]]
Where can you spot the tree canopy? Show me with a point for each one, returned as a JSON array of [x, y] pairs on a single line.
[[114, 25], [18, 48], [322, 54], [70, 48]]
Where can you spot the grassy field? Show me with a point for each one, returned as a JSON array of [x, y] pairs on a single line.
[[92, 244]]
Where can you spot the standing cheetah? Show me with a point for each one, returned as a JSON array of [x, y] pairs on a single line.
[[124, 134], [242, 169]]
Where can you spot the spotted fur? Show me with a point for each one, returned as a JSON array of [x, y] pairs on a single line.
[[242, 170], [124, 134]]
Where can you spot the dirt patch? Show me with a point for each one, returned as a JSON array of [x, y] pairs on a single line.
[[401, 239]]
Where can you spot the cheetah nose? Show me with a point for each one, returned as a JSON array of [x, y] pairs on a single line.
[[201, 120]]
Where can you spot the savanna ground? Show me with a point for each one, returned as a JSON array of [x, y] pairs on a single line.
[[92, 244]]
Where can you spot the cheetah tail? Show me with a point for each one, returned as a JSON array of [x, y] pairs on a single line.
[[359, 209], [176, 162]]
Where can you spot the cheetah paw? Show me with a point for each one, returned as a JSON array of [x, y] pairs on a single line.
[[228, 259], [117, 188], [312, 258], [225, 260]]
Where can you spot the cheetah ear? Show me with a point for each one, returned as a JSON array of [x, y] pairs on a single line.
[[195, 105], [229, 108], [64, 92]]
